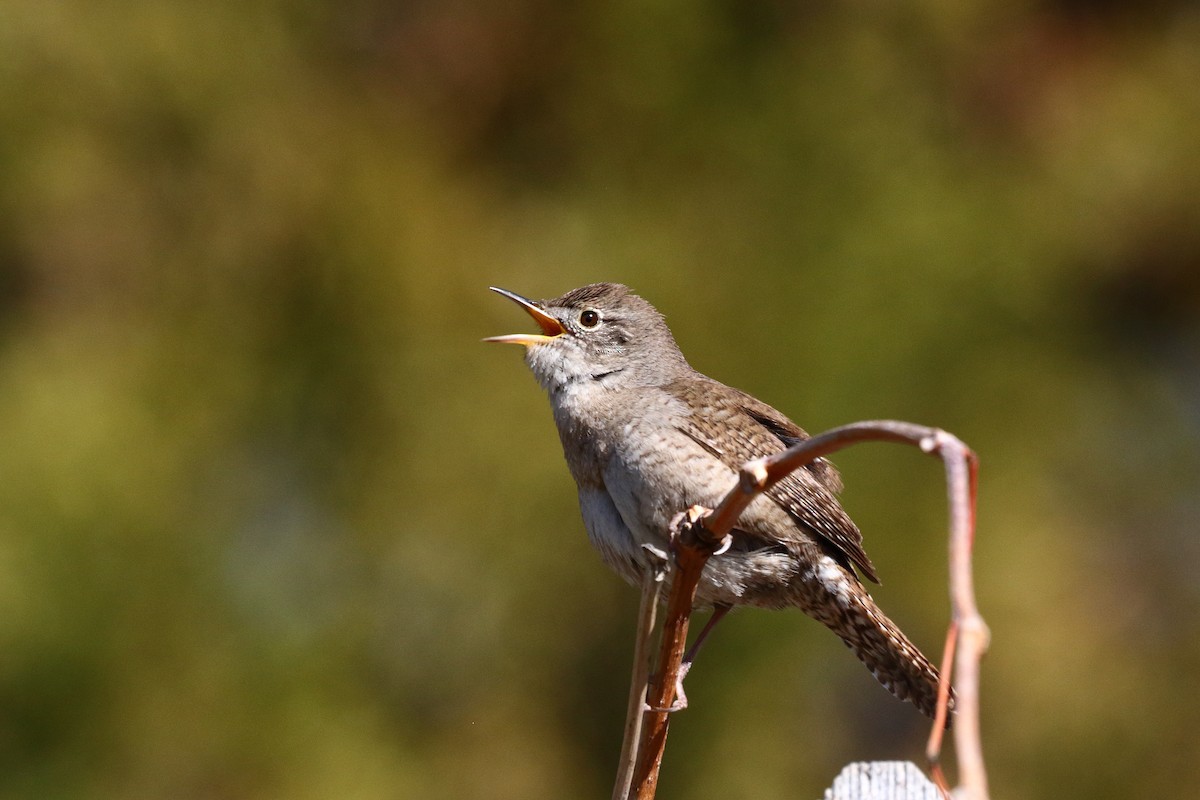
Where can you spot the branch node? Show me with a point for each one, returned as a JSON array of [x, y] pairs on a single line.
[[973, 625], [688, 527], [754, 476]]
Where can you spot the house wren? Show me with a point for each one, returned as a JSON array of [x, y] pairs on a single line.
[[646, 437]]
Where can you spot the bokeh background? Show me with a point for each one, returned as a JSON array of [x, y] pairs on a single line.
[[273, 523]]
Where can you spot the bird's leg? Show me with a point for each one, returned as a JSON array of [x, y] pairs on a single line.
[[719, 612], [680, 702]]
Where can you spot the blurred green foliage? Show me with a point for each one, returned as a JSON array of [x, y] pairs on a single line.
[[274, 524]]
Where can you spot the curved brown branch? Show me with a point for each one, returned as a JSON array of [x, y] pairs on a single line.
[[698, 533], [693, 546]]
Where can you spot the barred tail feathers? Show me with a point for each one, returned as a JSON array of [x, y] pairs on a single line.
[[848, 610]]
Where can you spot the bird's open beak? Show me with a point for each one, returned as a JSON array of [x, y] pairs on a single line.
[[549, 325]]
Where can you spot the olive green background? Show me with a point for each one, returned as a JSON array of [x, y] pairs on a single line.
[[274, 524]]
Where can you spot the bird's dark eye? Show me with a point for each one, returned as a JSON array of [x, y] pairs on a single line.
[[589, 318]]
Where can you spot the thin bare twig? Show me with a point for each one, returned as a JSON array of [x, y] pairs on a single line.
[[699, 533], [933, 749], [638, 684]]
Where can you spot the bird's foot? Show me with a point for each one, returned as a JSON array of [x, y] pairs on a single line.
[[658, 560], [680, 702], [685, 521], [688, 518]]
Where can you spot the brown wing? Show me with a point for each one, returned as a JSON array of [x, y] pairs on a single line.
[[807, 494]]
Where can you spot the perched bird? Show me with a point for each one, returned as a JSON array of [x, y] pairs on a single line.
[[646, 436]]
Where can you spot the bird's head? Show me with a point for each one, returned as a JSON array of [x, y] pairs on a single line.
[[597, 333]]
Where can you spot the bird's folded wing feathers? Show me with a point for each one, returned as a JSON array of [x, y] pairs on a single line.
[[807, 494]]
